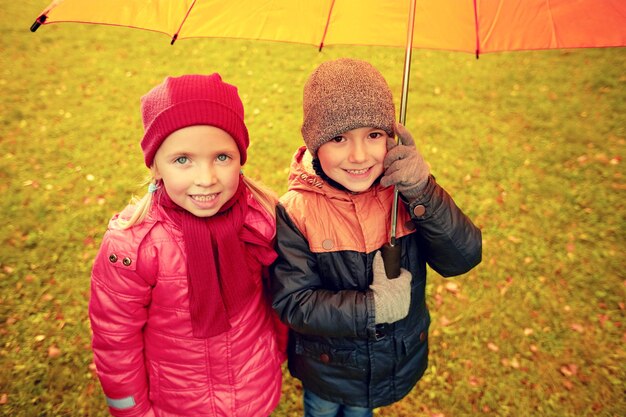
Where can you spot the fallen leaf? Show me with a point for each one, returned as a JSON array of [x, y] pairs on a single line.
[[438, 300], [569, 369], [602, 318], [577, 327], [514, 239], [492, 347], [444, 321], [474, 381], [54, 352], [452, 287], [4, 398]]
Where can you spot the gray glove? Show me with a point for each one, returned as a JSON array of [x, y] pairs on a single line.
[[392, 297], [404, 165]]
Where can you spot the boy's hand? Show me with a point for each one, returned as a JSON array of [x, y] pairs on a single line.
[[392, 297], [404, 165]]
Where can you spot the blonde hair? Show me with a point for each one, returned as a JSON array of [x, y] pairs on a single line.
[[266, 197]]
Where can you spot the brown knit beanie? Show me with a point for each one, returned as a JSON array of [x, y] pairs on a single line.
[[341, 95], [187, 101]]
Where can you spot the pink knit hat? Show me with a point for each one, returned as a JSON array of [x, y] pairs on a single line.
[[190, 100]]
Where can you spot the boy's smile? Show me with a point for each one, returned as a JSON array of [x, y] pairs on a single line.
[[354, 159], [199, 166]]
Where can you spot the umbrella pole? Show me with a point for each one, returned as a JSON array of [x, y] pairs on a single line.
[[391, 252], [403, 105], [407, 63]]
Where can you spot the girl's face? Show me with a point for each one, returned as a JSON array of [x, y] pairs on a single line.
[[199, 166], [354, 159]]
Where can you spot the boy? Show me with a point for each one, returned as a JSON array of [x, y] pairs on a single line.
[[359, 340]]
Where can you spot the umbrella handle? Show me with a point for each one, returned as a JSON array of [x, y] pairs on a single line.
[[391, 260], [40, 20]]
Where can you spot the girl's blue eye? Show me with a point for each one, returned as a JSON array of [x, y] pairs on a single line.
[[181, 160], [222, 157]]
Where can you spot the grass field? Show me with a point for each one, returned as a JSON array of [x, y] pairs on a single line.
[[530, 145]]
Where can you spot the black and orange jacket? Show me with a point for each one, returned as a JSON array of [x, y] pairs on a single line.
[[326, 241]]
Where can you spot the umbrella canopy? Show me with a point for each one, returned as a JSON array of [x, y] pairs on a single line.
[[476, 26]]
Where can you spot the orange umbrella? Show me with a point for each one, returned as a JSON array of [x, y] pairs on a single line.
[[475, 26]]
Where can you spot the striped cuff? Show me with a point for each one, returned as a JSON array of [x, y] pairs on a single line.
[[121, 403]]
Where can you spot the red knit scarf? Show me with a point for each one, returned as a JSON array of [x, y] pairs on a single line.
[[218, 250]]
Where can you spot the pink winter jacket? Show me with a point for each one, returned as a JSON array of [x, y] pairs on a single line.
[[147, 360]]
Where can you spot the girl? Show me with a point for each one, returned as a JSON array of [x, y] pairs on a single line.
[[180, 323]]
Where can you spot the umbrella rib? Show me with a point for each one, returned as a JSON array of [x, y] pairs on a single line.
[[554, 39], [330, 12], [476, 29], [182, 23]]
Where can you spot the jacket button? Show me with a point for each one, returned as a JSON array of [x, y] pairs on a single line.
[[327, 244], [324, 358], [419, 210], [422, 336], [127, 261], [113, 258]]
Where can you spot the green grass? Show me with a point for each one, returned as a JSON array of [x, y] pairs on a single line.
[[530, 144]]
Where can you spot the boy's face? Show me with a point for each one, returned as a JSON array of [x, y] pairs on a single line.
[[199, 166], [354, 159]]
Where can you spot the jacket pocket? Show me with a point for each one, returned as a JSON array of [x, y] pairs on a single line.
[[415, 340], [173, 376], [326, 353]]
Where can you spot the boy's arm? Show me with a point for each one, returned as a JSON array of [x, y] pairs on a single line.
[[118, 312], [453, 243], [298, 296]]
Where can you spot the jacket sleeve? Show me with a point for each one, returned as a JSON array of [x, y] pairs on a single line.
[[453, 243], [298, 295], [118, 312]]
